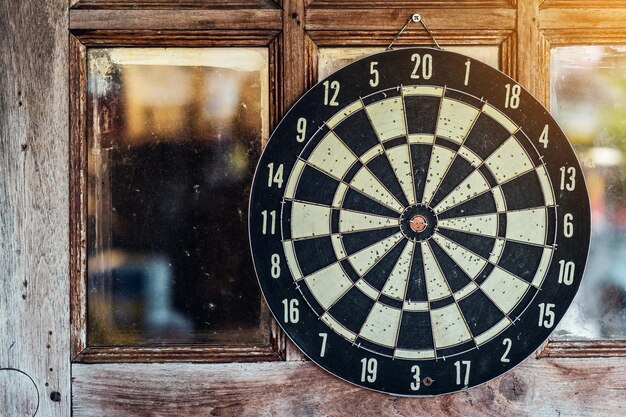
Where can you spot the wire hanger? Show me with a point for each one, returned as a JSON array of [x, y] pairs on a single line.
[[417, 18]]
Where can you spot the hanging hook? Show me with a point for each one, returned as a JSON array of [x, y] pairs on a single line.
[[417, 18]]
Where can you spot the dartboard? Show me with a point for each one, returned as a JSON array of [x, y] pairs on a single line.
[[419, 223]]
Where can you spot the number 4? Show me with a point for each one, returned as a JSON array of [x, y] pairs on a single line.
[[543, 139]]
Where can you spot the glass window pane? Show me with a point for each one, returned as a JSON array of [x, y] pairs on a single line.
[[331, 59], [588, 99], [173, 138]]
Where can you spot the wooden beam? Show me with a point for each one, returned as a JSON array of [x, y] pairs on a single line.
[[531, 72], [221, 19], [393, 19], [583, 18], [34, 231], [546, 387]]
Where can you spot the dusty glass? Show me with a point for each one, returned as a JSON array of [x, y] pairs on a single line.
[[588, 99], [173, 138]]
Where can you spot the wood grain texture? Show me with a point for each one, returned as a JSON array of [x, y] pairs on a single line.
[[220, 19], [294, 81], [583, 18], [547, 387], [582, 3], [597, 36], [578, 349], [78, 196], [18, 394], [392, 19], [412, 5], [191, 353], [529, 49], [169, 4], [412, 37], [155, 37], [34, 261]]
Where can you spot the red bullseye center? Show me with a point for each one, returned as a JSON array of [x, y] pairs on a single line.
[[418, 223]]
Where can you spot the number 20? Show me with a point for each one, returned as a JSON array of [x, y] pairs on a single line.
[[426, 63]]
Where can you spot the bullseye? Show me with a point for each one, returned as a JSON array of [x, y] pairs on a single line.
[[418, 223]]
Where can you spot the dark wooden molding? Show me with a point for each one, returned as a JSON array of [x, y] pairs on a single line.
[[595, 36], [337, 38], [78, 194], [583, 18], [217, 19], [169, 4], [153, 37], [583, 349], [392, 19], [508, 56], [192, 353], [581, 4], [412, 5]]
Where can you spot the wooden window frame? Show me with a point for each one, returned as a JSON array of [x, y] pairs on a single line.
[[250, 33], [598, 26], [296, 29]]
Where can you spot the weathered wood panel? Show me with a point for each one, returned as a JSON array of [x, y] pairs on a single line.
[[34, 272], [395, 18], [169, 4], [221, 19], [583, 18], [530, 53], [412, 5], [547, 387]]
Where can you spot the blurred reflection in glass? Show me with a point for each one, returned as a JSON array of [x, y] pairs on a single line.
[[173, 138], [588, 99]]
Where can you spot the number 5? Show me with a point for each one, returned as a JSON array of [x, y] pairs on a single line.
[[374, 73]]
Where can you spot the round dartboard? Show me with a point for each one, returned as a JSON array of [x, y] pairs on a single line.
[[419, 223]]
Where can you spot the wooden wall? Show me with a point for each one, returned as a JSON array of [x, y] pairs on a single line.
[[34, 206], [34, 247]]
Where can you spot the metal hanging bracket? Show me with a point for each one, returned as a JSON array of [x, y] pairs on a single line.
[[417, 18]]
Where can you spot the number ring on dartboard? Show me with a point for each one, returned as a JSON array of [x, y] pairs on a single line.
[[411, 230]]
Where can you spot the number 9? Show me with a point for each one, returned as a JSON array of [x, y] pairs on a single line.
[[301, 129]]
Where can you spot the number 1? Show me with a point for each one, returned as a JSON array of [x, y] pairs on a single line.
[[468, 64]]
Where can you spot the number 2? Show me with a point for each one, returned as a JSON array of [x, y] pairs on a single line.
[[507, 343]]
